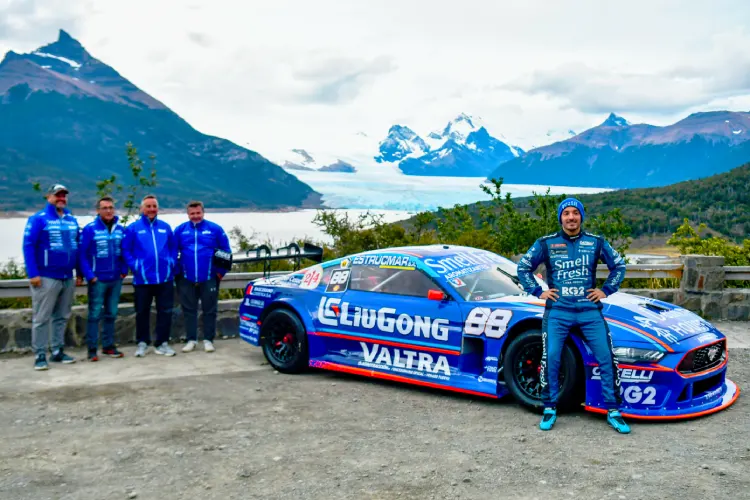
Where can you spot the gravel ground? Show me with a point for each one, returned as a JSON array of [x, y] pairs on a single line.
[[260, 434]]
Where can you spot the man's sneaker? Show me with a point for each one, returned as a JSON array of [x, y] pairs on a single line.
[[112, 352], [92, 355], [165, 350], [141, 349], [60, 357], [208, 346], [189, 346], [614, 418], [41, 362], [548, 419]]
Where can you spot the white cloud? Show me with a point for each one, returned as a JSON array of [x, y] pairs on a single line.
[[284, 74]]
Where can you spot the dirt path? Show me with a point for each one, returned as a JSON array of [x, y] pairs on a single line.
[[226, 426]]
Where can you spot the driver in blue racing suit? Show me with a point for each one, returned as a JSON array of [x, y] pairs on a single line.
[[571, 257]]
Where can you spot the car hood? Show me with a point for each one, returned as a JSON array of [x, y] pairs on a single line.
[[667, 323]]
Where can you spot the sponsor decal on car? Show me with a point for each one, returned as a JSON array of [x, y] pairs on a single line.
[[462, 263], [627, 375], [262, 291], [386, 261], [405, 361], [312, 277], [332, 312], [254, 303]]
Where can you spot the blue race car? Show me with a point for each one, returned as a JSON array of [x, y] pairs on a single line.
[[456, 318]]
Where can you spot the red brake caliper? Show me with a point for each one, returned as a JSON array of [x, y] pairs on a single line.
[[288, 339]]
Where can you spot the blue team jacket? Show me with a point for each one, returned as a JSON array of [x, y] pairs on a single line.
[[50, 244], [150, 250], [196, 245], [101, 251], [571, 268]]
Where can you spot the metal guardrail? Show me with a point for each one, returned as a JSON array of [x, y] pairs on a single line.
[[231, 281], [736, 273], [645, 271]]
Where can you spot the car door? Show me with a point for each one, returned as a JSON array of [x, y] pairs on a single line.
[[396, 321]]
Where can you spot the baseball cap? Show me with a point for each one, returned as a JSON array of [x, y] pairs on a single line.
[[56, 188]]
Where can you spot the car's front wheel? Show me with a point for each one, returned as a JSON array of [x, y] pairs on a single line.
[[522, 372], [285, 341]]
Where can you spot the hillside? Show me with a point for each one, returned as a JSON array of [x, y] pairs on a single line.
[[618, 154], [66, 116], [720, 201]]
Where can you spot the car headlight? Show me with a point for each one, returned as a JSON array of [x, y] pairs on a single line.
[[635, 354]]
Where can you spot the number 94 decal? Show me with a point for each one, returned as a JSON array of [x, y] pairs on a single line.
[[490, 322]]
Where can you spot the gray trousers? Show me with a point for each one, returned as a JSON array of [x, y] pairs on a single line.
[[51, 304]]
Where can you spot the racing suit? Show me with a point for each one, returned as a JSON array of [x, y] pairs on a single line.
[[571, 269]]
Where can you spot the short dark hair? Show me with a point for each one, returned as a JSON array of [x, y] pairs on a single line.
[[196, 203], [104, 198], [149, 197]]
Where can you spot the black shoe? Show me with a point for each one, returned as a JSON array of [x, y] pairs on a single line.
[[60, 357], [112, 352], [41, 363], [93, 355]]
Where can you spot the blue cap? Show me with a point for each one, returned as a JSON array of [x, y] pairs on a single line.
[[570, 202]]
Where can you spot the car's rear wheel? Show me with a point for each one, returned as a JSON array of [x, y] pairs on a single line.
[[285, 341], [522, 372]]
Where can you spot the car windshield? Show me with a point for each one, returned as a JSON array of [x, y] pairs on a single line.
[[488, 284]]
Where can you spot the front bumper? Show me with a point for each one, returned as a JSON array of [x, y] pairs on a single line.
[[660, 393]]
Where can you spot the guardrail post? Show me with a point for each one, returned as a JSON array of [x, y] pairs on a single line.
[[702, 285]]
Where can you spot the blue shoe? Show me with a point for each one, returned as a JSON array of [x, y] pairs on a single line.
[[614, 418], [41, 363], [60, 357], [548, 419]]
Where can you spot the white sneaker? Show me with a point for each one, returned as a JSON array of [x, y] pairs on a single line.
[[141, 350], [189, 346], [165, 350], [208, 346]]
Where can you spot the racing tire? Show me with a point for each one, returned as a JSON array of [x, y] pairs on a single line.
[[521, 371], [285, 342]]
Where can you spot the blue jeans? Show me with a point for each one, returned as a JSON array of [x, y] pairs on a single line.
[[556, 326], [104, 297]]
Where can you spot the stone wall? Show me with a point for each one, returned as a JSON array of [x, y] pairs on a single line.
[[701, 291], [15, 326]]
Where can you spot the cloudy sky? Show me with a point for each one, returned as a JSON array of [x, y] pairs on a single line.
[[279, 74]]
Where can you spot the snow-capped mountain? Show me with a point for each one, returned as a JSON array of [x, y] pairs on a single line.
[[620, 154], [464, 148], [305, 161], [400, 143]]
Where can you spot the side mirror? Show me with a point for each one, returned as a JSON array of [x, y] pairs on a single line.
[[436, 295]]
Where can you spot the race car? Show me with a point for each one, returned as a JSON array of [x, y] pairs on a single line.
[[456, 318]]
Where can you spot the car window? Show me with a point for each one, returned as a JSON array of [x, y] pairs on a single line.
[[412, 282], [487, 284]]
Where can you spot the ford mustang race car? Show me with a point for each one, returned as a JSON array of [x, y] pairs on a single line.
[[456, 318]]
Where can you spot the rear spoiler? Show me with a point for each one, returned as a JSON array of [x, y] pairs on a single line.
[[265, 255]]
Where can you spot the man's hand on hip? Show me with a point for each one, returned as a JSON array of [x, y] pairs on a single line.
[[595, 295], [550, 294], [36, 281]]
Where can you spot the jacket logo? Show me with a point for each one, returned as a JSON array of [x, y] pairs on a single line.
[[587, 243]]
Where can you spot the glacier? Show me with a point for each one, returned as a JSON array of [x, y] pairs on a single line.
[[387, 188]]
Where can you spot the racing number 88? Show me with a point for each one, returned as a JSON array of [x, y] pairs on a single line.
[[484, 320], [339, 277]]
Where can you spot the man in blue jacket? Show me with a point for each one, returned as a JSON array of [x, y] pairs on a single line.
[[50, 251], [199, 278], [150, 250], [571, 257], [104, 267]]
